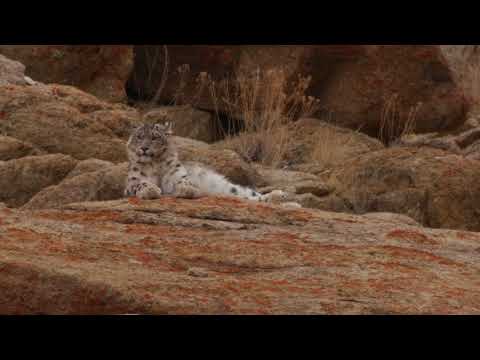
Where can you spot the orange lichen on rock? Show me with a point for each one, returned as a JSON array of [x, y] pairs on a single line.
[[100, 261], [410, 235]]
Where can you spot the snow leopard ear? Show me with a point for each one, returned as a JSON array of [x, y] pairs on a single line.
[[168, 128]]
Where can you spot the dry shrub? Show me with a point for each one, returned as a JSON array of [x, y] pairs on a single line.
[[395, 122], [267, 105]]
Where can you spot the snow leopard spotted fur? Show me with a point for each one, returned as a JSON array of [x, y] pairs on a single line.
[[155, 169]]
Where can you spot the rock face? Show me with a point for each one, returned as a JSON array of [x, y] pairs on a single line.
[[355, 83], [101, 70], [62, 119], [20, 179], [358, 91], [11, 72], [227, 256], [434, 187]]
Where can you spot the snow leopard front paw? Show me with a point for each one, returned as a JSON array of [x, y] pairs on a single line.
[[186, 191], [130, 189], [148, 191]]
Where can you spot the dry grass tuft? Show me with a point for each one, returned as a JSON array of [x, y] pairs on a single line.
[[267, 105], [395, 122]]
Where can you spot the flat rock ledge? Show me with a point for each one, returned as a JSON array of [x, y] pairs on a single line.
[[220, 255]]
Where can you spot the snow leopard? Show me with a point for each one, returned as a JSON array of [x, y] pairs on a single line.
[[155, 170]]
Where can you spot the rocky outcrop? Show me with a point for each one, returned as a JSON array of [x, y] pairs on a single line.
[[227, 256], [20, 179], [101, 70], [62, 119], [434, 187], [356, 84]]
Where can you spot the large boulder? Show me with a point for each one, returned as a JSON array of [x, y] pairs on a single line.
[[358, 85], [389, 83], [20, 179], [436, 188], [228, 256], [63, 119], [101, 70]]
